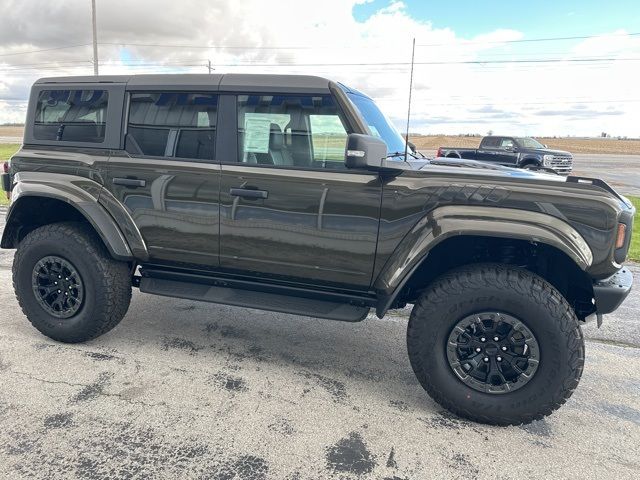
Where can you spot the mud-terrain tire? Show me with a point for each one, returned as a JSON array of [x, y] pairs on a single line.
[[100, 285], [517, 293]]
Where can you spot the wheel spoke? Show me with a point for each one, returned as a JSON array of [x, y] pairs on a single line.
[[58, 286], [493, 352]]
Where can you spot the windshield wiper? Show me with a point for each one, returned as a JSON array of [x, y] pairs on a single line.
[[401, 154]]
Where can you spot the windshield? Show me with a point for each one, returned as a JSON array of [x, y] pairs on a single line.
[[527, 142], [379, 125]]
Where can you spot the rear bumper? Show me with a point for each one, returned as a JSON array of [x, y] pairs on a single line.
[[611, 292]]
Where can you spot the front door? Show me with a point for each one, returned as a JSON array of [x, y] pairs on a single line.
[[289, 207], [506, 154], [168, 179]]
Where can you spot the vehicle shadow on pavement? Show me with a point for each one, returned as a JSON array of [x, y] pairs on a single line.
[[370, 355]]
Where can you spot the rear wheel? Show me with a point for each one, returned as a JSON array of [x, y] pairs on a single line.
[[68, 285], [495, 344]]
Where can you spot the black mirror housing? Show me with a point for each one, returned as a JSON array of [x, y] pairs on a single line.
[[365, 151]]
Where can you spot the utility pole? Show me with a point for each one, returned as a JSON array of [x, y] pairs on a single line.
[[209, 66], [95, 37]]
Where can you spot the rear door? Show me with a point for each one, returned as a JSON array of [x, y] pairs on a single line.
[[289, 207], [168, 178], [488, 150]]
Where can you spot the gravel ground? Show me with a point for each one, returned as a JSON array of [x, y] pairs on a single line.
[[191, 390]]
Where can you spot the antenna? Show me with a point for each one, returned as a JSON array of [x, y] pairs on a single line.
[[406, 139]]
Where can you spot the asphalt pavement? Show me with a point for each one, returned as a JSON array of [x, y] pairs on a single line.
[[182, 389]]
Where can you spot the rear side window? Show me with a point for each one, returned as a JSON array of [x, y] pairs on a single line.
[[490, 142], [170, 124], [71, 115]]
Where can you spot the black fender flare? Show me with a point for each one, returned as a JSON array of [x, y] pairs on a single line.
[[82, 194], [531, 160], [454, 220]]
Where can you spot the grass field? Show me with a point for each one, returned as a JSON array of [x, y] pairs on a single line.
[[609, 146], [6, 150], [634, 250]]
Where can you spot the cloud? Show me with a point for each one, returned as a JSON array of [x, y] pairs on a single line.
[[578, 112], [144, 36]]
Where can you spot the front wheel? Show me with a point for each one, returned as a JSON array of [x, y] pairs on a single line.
[[495, 344]]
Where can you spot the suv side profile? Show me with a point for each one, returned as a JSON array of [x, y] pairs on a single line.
[[288, 193]]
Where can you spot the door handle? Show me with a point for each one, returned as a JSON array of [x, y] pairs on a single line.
[[248, 193], [129, 182]]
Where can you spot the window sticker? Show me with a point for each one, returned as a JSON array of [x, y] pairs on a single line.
[[256, 134]]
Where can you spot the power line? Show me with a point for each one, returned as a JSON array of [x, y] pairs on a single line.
[[25, 52], [298, 47], [465, 62], [529, 40]]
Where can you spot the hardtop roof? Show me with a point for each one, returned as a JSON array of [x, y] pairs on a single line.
[[219, 82]]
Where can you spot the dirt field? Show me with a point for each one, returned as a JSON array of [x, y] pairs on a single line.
[[573, 145], [6, 131], [432, 142]]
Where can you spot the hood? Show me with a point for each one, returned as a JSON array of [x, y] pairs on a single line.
[[546, 151], [490, 168]]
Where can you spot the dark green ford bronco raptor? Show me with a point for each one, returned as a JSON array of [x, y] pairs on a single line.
[[294, 194]]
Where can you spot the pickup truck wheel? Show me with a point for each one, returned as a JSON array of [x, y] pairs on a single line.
[[495, 344], [68, 285]]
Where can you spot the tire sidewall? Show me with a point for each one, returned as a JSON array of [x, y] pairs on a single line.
[[547, 381]]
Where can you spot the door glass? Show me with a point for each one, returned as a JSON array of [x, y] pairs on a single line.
[[172, 124], [329, 139], [296, 131], [506, 143], [71, 115]]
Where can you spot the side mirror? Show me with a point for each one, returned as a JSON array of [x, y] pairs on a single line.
[[365, 151]]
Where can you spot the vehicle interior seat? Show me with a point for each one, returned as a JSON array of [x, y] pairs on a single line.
[[278, 153]]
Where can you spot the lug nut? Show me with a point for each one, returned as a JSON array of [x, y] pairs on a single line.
[[59, 276], [504, 349], [499, 358], [486, 359], [495, 339], [59, 291], [55, 283], [482, 339], [478, 349]]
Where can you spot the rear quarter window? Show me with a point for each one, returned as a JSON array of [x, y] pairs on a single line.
[[71, 116]]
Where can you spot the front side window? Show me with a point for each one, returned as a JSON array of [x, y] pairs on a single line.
[[506, 143], [296, 131], [170, 124], [71, 115]]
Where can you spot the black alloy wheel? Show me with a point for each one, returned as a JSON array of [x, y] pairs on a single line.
[[57, 286], [493, 352]]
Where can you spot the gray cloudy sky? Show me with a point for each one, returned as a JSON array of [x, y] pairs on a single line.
[[301, 36]]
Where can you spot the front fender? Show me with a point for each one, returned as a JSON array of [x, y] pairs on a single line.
[[448, 221], [79, 192]]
